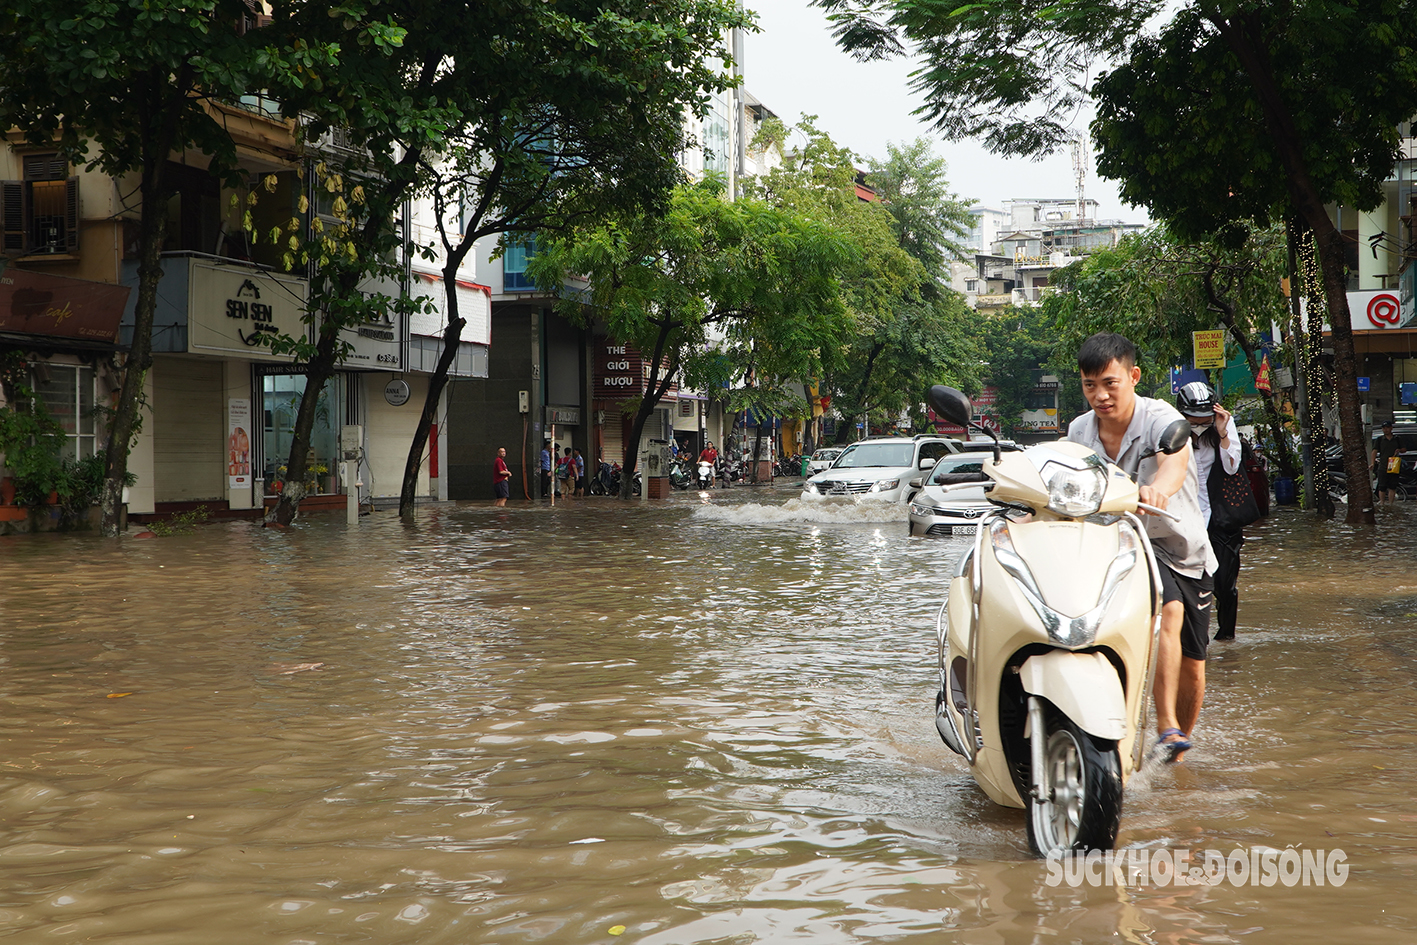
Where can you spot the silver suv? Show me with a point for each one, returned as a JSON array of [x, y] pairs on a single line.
[[880, 467]]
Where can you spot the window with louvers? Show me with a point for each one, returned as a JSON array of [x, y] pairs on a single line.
[[40, 214]]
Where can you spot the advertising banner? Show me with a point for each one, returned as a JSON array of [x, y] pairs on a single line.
[[1208, 349], [238, 443]]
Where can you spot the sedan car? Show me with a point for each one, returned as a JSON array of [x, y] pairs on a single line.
[[936, 513], [823, 458]]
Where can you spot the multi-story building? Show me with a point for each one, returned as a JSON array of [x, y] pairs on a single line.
[[220, 406], [1018, 248]]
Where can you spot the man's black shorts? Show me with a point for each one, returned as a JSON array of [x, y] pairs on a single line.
[[503, 489], [1196, 594]]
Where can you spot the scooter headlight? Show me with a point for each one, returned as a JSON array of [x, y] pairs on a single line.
[[1075, 493]]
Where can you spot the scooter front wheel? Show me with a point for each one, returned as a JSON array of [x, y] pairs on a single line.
[[1081, 806]]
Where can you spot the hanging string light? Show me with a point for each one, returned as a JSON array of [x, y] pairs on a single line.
[[1319, 391]]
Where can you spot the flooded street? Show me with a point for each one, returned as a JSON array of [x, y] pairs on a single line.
[[706, 720]]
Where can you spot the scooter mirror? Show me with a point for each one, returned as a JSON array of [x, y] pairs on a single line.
[[1174, 437], [952, 404]]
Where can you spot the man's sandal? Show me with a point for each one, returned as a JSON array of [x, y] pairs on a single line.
[[1172, 749]]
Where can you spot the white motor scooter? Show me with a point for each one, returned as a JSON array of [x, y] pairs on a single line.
[[1048, 637], [704, 474]]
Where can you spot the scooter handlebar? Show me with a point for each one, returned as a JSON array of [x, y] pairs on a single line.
[[984, 481], [1162, 512]]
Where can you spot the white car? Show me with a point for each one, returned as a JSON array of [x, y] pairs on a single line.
[[823, 458], [935, 513], [879, 468]]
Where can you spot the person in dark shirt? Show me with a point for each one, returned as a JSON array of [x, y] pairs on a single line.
[[1385, 450]]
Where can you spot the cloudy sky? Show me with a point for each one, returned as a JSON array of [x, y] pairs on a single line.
[[794, 67]]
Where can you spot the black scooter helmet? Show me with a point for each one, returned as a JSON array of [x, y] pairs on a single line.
[[1196, 399]]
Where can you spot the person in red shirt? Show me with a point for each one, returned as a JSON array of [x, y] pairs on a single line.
[[501, 477], [709, 455]]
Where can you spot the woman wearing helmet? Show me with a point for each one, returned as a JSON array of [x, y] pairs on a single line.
[[1213, 435]]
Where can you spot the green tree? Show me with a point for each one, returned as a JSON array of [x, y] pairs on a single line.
[[911, 331], [711, 288], [121, 85], [929, 219], [577, 112], [1018, 342], [558, 134], [1233, 109], [1157, 288]]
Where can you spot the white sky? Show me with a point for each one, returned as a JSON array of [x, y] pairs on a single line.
[[795, 67]]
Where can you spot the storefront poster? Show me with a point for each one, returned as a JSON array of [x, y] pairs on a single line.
[[238, 444]]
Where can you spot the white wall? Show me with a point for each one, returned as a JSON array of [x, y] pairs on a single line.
[[388, 431]]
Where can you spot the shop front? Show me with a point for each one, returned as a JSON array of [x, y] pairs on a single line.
[[58, 337]]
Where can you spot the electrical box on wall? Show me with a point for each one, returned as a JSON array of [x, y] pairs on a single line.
[[523, 401], [351, 438]]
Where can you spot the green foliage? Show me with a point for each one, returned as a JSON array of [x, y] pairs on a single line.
[[117, 74], [929, 220], [910, 330], [1157, 288], [1011, 72], [30, 440], [726, 291], [766, 280], [1181, 122], [1020, 342]]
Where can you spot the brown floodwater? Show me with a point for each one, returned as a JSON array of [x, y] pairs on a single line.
[[706, 720]]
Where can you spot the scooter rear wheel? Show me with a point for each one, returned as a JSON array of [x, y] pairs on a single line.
[[1082, 804]]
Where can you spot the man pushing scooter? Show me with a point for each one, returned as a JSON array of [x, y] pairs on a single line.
[[1121, 426]]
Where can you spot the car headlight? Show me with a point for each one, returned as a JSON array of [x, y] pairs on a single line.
[[885, 485], [811, 487], [1074, 492], [921, 509]]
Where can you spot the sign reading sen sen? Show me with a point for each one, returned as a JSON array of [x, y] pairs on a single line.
[[233, 309]]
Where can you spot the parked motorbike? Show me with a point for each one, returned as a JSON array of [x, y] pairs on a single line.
[[681, 475], [704, 474], [1047, 640], [606, 481]]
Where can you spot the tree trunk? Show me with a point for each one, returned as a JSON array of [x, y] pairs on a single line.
[[1253, 55], [1317, 441], [152, 229], [1301, 363], [843, 432], [655, 387], [757, 452], [452, 337]]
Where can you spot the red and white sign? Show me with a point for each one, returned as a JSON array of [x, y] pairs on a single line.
[[1384, 310], [983, 402], [1372, 310]]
